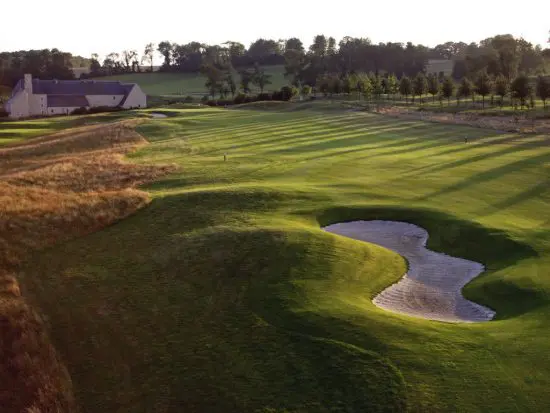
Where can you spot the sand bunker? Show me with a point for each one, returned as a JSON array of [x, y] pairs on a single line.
[[158, 115], [432, 287]]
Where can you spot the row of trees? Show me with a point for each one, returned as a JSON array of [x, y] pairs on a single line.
[[46, 64], [502, 54], [521, 90]]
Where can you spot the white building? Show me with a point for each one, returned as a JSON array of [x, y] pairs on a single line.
[[35, 97]]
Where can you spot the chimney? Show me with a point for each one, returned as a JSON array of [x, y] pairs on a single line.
[[27, 83]]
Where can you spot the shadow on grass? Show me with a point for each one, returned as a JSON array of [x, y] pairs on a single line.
[[494, 248], [489, 175]]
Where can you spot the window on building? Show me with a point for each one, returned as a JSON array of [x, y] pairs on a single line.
[[114, 97]]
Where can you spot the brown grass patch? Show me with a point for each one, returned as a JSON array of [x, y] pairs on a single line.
[[515, 124], [52, 189]]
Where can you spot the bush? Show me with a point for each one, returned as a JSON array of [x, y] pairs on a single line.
[[287, 93], [3, 113], [102, 109], [277, 96], [80, 111], [240, 98], [263, 96], [188, 99], [306, 90], [205, 99]]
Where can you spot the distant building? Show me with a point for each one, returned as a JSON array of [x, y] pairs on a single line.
[[35, 97], [440, 67]]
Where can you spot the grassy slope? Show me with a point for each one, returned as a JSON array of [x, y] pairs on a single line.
[[17, 131], [186, 83], [225, 296]]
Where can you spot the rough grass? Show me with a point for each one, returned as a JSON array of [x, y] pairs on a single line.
[[53, 189], [183, 84], [16, 131], [224, 295]]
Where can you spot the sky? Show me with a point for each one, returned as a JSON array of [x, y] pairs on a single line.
[[104, 26]]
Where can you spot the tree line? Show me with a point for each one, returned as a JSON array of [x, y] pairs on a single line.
[[499, 55], [46, 64], [521, 91]]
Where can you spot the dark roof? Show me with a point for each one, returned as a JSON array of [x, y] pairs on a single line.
[[79, 87], [68, 101]]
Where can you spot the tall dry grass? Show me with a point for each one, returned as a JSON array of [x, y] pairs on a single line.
[[52, 189]]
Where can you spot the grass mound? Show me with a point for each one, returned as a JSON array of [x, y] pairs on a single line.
[[199, 344], [54, 189]]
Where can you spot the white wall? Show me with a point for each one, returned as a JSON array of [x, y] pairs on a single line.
[[136, 99], [18, 105], [38, 105], [104, 100]]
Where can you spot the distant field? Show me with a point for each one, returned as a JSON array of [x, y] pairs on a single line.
[[183, 84]]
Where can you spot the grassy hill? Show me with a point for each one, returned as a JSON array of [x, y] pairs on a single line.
[[183, 84], [224, 295]]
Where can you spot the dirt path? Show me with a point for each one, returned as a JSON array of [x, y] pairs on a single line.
[[432, 287]]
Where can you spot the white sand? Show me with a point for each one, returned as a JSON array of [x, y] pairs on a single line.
[[158, 115], [432, 287]]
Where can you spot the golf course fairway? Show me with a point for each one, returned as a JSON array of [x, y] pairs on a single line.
[[225, 295]]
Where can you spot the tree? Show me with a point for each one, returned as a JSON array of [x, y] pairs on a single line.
[[433, 85], [319, 46], [260, 78], [405, 87], [165, 49], [149, 54], [377, 87], [521, 89], [230, 81], [448, 89], [95, 66], [392, 85], [483, 86], [420, 85], [543, 89], [294, 65], [215, 77], [294, 44], [365, 86], [129, 57], [501, 87], [246, 79], [465, 88]]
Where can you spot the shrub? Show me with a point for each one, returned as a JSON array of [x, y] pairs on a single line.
[[80, 111], [3, 113], [306, 90], [240, 98], [277, 95], [101, 109], [263, 96], [188, 99], [287, 92], [205, 99]]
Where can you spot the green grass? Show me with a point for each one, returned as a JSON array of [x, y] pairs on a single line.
[[167, 84], [14, 131], [224, 295]]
